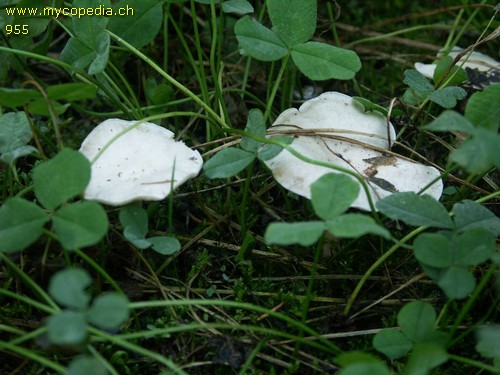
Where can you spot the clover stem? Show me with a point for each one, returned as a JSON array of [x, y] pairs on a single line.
[[29, 282], [172, 81], [277, 82], [137, 349], [99, 270], [30, 354], [379, 261], [472, 299]]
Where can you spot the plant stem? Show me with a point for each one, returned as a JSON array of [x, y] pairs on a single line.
[[52, 112], [215, 64], [276, 85], [474, 363], [466, 24], [103, 360], [306, 159], [449, 44], [32, 284], [332, 19], [82, 74], [398, 32], [166, 12], [379, 261], [201, 68], [472, 299], [309, 292], [335, 167], [137, 349], [135, 107], [101, 271], [488, 197], [237, 305], [29, 336], [26, 353], [244, 200], [28, 301], [246, 73], [199, 73], [246, 366], [392, 250], [172, 81], [229, 326]]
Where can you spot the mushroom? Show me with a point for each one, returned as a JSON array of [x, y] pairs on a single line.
[[136, 161], [475, 60], [333, 128]]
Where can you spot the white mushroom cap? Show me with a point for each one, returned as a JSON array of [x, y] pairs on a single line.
[[333, 111], [476, 60], [138, 163]]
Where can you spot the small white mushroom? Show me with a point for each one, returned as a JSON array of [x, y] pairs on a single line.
[[136, 162], [341, 133], [476, 60]]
